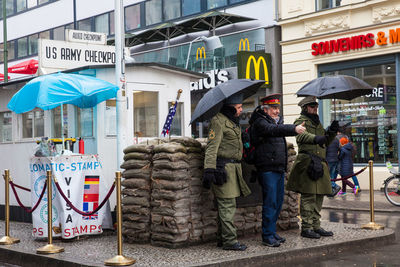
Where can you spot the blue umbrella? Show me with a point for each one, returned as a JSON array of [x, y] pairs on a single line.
[[53, 90], [50, 91]]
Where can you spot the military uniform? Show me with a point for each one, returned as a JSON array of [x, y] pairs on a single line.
[[312, 192], [225, 142]]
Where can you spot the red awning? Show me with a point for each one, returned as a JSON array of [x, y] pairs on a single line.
[[26, 67], [2, 77]]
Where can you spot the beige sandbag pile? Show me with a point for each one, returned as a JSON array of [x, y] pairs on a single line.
[[136, 193]]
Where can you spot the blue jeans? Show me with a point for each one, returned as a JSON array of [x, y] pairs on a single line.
[[333, 172], [273, 192]]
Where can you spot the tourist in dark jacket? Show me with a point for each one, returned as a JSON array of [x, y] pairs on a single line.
[[332, 153], [346, 165], [268, 134]]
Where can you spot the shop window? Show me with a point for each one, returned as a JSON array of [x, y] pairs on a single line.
[[84, 122], [33, 123], [33, 44], [31, 3], [101, 23], [176, 125], [325, 4], [132, 17], [110, 125], [153, 12], [59, 33], [190, 7], [172, 10], [22, 45], [211, 4], [21, 5], [85, 25], [145, 116], [5, 126], [56, 121], [372, 119]]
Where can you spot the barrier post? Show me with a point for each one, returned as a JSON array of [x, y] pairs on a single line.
[[371, 225], [7, 240], [119, 260], [49, 248]]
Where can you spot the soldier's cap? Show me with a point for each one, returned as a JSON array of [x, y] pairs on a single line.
[[234, 99], [272, 100], [308, 100]]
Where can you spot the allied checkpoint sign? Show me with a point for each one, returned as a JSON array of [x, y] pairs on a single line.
[[80, 178]]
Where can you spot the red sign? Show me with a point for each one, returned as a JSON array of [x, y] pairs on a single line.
[[343, 44]]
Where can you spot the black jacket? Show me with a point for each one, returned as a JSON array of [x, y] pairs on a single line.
[[332, 151], [269, 139]]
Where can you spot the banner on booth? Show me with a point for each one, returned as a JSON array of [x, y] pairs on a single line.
[[80, 178]]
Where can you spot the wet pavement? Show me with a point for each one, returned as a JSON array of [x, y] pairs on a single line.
[[350, 246]]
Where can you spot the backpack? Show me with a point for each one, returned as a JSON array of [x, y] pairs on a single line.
[[249, 150]]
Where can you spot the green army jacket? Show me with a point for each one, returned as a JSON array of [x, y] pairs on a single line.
[[225, 141], [299, 180]]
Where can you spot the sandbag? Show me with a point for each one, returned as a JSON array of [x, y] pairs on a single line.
[[143, 148], [179, 156], [170, 195], [141, 201], [136, 218], [137, 173], [166, 164], [186, 141], [170, 148], [169, 185], [135, 164], [136, 183], [137, 155], [135, 209], [136, 192], [169, 174]]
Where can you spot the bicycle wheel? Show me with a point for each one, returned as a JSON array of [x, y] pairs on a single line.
[[392, 190]]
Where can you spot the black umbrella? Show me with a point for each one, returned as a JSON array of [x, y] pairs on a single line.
[[336, 87], [211, 103]]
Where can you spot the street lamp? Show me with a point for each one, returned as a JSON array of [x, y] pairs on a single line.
[[210, 43]]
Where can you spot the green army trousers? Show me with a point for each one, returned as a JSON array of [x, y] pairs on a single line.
[[226, 230], [310, 208]]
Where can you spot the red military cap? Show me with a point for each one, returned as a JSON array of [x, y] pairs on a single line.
[[273, 99]]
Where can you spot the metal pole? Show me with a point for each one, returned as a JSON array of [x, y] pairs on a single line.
[[119, 260], [398, 102], [7, 240], [120, 80], [49, 248], [74, 7], [371, 225], [5, 54]]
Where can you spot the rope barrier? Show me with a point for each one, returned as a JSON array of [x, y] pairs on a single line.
[[21, 187], [19, 201], [349, 176], [79, 211]]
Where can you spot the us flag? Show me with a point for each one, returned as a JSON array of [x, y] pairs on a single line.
[[91, 196], [168, 121]]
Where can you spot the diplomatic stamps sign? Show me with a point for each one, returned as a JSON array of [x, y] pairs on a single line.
[[80, 179]]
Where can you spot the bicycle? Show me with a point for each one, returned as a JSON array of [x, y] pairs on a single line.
[[392, 186]]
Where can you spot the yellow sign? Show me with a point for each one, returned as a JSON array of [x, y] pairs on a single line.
[[200, 51], [257, 66], [243, 43]]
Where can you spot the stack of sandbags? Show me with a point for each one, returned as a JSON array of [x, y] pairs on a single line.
[[136, 193], [170, 195], [290, 209]]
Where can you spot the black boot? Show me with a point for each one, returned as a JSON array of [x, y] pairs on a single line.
[[323, 232], [309, 233]]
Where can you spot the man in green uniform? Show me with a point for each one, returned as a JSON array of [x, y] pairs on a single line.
[[313, 182], [223, 170]]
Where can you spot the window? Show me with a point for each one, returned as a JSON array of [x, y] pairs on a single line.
[[324, 4], [216, 3], [110, 124], [44, 35], [84, 122], [101, 23], [22, 47], [11, 51], [145, 114], [235, 1], [132, 17], [21, 5], [190, 7], [56, 121], [32, 3], [112, 23], [1, 53], [5, 126], [33, 124], [59, 33], [85, 25], [176, 125], [33, 44], [172, 10], [43, 1], [153, 12], [9, 7], [371, 119]]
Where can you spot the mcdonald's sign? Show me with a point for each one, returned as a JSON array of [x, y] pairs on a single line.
[[254, 65], [200, 51], [243, 43]]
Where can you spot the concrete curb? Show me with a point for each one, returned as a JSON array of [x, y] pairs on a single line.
[[301, 254]]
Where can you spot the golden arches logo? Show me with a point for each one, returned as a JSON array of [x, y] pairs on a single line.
[[200, 51], [243, 43], [257, 64]]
